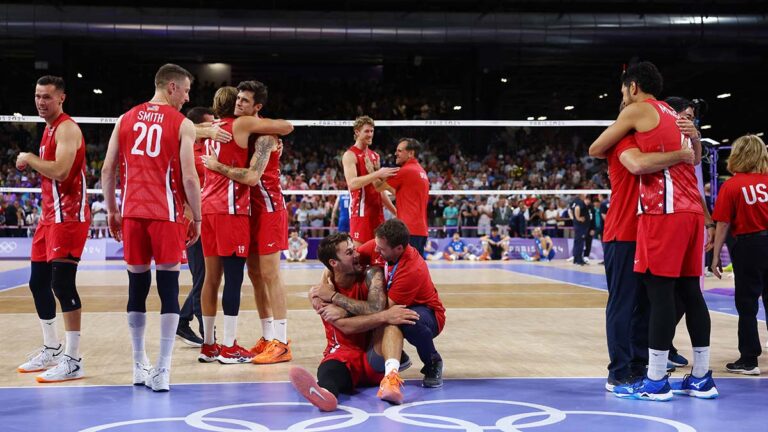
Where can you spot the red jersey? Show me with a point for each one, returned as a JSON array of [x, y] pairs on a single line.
[[675, 189], [222, 195], [199, 166], [408, 280], [337, 340], [411, 186], [149, 140], [621, 220], [743, 202], [366, 202], [63, 201], [267, 195]]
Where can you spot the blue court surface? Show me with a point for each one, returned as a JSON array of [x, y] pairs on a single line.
[[536, 404]]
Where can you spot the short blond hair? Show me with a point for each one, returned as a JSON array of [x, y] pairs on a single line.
[[224, 102], [748, 155], [362, 121]]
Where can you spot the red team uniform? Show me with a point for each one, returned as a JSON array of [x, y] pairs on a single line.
[[269, 216], [412, 200], [63, 226], [621, 220], [741, 202], [670, 236], [152, 190], [366, 212], [352, 350], [225, 203]]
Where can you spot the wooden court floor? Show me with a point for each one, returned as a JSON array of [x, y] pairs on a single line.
[[500, 323]]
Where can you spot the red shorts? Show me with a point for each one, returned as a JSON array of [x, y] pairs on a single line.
[[363, 374], [144, 239], [361, 229], [225, 235], [670, 245], [269, 232], [60, 240]]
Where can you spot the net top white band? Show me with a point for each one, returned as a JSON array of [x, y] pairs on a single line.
[[348, 123]]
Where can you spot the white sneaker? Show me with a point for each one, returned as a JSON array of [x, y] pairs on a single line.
[[47, 357], [67, 369], [141, 373], [159, 380], [586, 260]]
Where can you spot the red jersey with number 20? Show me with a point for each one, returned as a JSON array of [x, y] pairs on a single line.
[[222, 195], [366, 202], [63, 201], [149, 163], [675, 189]]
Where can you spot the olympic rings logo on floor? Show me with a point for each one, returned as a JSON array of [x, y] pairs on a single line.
[[8, 246], [350, 416]]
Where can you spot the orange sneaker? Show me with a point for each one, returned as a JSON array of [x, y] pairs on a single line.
[[260, 346], [389, 389], [305, 383], [275, 352]]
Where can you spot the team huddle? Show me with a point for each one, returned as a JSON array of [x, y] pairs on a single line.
[[218, 182]]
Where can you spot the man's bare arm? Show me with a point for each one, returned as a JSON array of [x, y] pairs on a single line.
[[354, 181], [638, 162], [377, 297], [68, 140], [251, 175]]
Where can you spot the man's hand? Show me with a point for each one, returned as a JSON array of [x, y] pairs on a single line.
[[399, 314], [385, 173], [317, 302], [687, 156], [210, 161], [216, 133], [115, 222], [687, 127], [324, 291], [21, 161], [710, 244], [332, 313], [279, 148], [193, 232], [369, 164], [716, 267]]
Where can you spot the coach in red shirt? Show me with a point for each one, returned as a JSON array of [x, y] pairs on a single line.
[[742, 206], [411, 188]]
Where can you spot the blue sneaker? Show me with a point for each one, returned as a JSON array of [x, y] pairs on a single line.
[[526, 256], [702, 388], [678, 360], [645, 389]]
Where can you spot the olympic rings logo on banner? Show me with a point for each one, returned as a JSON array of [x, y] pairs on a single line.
[[350, 416], [8, 246]]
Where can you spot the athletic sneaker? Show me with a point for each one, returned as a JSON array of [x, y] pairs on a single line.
[[67, 369], [47, 357], [275, 352], [433, 375], [702, 388], [744, 367], [405, 362], [209, 353], [187, 335], [141, 372], [234, 354], [305, 384], [389, 389], [159, 380], [525, 256], [678, 360], [646, 389], [611, 383], [260, 346]]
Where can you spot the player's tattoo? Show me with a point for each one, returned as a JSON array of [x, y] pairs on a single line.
[[259, 160], [377, 297], [236, 174]]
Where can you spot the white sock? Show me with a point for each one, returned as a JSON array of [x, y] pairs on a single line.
[[72, 347], [169, 322], [49, 332], [391, 365], [268, 328], [700, 361], [208, 330], [281, 330], [657, 364], [230, 328], [137, 322]]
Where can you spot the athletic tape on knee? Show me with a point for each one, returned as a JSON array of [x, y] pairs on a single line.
[[138, 289], [168, 289], [40, 285], [63, 276]]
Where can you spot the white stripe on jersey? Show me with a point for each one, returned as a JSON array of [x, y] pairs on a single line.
[[669, 193], [125, 188], [267, 198], [56, 202], [361, 210], [169, 195], [82, 196], [231, 197]]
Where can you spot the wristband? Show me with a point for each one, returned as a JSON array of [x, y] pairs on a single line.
[[710, 225], [333, 295], [197, 220]]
